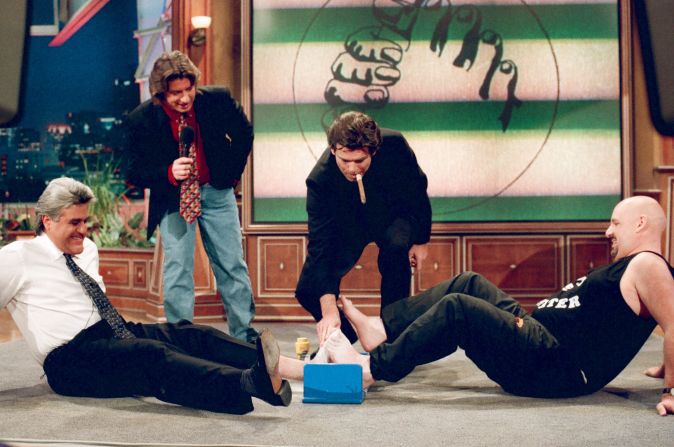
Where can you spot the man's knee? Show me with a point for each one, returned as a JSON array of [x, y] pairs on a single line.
[[465, 281], [308, 300], [396, 242], [469, 276]]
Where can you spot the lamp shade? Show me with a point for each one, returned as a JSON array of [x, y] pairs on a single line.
[[201, 21]]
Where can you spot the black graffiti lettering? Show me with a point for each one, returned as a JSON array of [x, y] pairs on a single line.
[[508, 67], [466, 14], [441, 32], [469, 14], [338, 70], [490, 37], [364, 73], [471, 40], [401, 21]]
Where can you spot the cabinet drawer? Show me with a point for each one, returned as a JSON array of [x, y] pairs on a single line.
[[140, 275], [442, 263], [519, 265], [587, 253], [280, 261], [115, 273], [364, 277]]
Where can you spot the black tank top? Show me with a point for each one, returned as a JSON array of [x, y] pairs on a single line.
[[594, 325]]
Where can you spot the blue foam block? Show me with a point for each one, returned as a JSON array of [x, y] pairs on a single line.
[[333, 383]]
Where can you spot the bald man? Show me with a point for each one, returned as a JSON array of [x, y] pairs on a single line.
[[574, 342]]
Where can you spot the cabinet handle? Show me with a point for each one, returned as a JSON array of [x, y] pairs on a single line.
[[513, 266], [108, 272], [281, 266], [436, 266], [140, 275], [591, 265], [358, 267]]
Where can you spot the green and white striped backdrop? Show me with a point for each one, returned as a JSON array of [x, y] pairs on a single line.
[[556, 157]]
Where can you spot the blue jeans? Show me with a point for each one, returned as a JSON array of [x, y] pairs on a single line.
[[221, 235]]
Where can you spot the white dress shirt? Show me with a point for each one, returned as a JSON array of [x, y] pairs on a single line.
[[46, 301]]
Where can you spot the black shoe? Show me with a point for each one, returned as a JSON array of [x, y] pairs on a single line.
[[258, 380]]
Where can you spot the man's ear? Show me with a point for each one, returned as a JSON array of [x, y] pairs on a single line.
[[46, 222], [642, 223], [332, 150]]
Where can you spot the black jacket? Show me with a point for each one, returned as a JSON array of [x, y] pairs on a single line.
[[395, 187], [227, 137]]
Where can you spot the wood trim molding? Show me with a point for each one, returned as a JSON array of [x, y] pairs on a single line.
[[183, 10]]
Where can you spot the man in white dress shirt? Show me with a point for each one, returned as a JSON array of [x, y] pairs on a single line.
[[183, 363]]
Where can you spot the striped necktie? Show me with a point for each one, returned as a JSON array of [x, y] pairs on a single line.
[[190, 193], [105, 308]]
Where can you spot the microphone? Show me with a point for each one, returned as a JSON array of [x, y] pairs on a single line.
[[186, 140]]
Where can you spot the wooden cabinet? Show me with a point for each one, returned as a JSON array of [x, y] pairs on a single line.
[[275, 264], [362, 283], [585, 254], [528, 266], [279, 263], [442, 263], [126, 274], [520, 266], [363, 280]]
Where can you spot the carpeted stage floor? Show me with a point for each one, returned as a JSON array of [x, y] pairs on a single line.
[[448, 402]]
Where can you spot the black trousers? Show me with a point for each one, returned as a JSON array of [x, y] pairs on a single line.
[[469, 312], [182, 363], [393, 263]]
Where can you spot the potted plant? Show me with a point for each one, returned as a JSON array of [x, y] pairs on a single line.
[[18, 224], [108, 228]]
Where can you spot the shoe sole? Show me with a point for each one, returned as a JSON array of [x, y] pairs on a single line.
[[271, 352]]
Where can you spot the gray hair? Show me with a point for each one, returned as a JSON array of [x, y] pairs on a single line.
[[167, 67], [59, 194]]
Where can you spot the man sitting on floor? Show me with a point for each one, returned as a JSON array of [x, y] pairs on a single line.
[[53, 290], [574, 342]]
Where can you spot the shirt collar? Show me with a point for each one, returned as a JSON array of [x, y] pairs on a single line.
[[174, 115], [53, 251]]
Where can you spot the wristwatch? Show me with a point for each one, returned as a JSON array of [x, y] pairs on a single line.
[[667, 391]]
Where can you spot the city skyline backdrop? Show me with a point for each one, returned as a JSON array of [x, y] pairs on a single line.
[[73, 101]]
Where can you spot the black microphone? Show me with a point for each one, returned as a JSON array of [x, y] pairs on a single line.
[[186, 140]]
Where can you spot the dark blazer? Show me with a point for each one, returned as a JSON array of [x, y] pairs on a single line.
[[340, 225], [227, 138]]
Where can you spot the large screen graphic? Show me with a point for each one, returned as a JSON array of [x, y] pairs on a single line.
[[511, 106]]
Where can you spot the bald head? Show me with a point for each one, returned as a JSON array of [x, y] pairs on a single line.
[[637, 224]]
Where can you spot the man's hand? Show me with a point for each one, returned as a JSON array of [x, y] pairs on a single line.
[[365, 71], [417, 255], [666, 405], [181, 168], [330, 320]]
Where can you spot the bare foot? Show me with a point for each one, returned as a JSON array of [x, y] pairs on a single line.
[[656, 372], [340, 350], [370, 330]]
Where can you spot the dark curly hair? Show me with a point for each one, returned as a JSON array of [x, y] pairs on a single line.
[[355, 130]]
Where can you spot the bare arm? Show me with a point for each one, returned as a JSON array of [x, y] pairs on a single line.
[[654, 286], [330, 320]]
